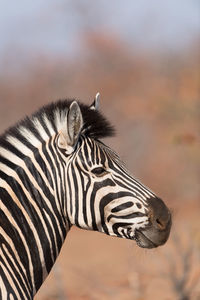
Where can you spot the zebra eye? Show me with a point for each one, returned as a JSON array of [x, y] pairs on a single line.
[[99, 171]]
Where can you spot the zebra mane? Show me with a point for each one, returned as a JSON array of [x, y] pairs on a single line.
[[95, 125]]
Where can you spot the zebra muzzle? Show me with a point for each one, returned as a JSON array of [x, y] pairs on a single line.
[[156, 233]]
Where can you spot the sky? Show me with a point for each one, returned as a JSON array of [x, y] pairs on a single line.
[[57, 26]]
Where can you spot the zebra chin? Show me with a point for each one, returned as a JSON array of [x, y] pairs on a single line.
[[150, 239]]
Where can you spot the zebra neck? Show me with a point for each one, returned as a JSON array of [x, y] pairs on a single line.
[[31, 215]]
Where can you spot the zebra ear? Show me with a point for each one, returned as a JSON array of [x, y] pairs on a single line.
[[74, 123], [95, 104]]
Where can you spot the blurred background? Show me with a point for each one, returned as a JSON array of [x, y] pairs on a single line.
[[144, 59]]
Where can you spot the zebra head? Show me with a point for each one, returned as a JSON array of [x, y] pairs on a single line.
[[102, 194]]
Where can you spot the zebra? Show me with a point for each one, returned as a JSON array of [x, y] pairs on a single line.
[[55, 172]]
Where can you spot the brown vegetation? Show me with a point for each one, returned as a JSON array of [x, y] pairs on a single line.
[[154, 103]]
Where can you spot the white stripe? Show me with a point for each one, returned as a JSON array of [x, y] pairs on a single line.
[[60, 117], [9, 268], [10, 282], [40, 129], [13, 174], [48, 124], [29, 136], [18, 161], [26, 151], [29, 221], [10, 242], [3, 290]]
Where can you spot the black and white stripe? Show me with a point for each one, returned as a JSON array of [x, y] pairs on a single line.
[[55, 173]]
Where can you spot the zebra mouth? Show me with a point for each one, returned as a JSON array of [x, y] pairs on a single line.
[[143, 241]]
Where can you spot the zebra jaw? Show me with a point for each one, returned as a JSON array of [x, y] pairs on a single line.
[[143, 241]]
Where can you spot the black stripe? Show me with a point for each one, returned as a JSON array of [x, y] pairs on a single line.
[[14, 236], [105, 201], [122, 206], [97, 186], [23, 224], [84, 190], [19, 282], [129, 216], [116, 226]]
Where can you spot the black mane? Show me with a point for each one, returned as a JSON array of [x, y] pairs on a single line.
[[95, 125]]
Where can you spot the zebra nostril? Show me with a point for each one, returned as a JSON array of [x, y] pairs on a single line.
[[160, 224], [159, 214]]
